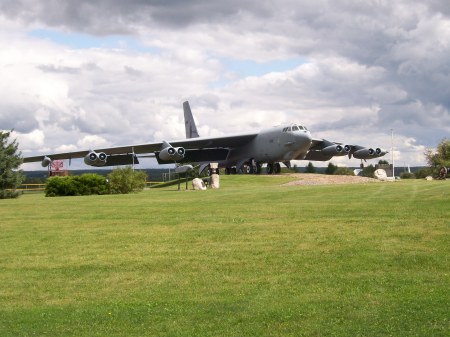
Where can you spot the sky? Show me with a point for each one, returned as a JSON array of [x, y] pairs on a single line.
[[80, 74]]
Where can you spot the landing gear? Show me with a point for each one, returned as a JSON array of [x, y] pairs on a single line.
[[274, 168], [252, 169]]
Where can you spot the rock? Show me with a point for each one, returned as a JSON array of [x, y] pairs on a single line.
[[198, 184], [380, 174]]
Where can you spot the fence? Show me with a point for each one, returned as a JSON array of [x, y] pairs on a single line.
[[31, 188]]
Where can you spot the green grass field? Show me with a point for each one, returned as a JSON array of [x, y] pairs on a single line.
[[251, 259]]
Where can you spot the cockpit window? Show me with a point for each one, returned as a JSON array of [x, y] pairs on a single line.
[[295, 127]]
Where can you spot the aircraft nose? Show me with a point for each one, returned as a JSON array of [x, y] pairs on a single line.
[[305, 139]]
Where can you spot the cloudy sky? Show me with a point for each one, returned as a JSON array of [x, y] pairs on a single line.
[[80, 74]]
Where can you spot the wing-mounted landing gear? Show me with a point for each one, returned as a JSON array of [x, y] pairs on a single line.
[[361, 166]]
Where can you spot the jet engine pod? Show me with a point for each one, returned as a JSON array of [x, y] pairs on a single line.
[[334, 150], [46, 161], [95, 159], [364, 153], [380, 152], [172, 154]]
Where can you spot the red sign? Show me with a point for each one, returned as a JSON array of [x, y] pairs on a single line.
[[57, 165]]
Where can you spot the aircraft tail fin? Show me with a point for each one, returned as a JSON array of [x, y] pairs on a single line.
[[189, 123]]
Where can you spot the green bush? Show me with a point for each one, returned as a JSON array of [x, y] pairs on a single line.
[[85, 184], [425, 172], [126, 180], [407, 175], [369, 171], [344, 171]]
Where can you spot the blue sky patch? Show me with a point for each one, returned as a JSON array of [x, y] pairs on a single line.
[[85, 41], [245, 68]]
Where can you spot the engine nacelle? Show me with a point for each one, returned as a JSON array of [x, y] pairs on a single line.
[[335, 150], [95, 159], [46, 161], [172, 153], [364, 153], [380, 152], [183, 169]]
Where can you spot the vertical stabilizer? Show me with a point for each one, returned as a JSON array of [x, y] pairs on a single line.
[[189, 123]]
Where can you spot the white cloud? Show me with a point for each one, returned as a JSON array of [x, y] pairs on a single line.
[[92, 142], [28, 141], [367, 67]]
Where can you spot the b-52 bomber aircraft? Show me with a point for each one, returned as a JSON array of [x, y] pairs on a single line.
[[246, 152]]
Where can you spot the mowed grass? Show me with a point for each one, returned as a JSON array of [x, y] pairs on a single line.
[[251, 259]]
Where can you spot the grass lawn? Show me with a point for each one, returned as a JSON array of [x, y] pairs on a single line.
[[251, 259]]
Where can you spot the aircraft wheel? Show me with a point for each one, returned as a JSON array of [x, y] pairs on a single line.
[[249, 169], [227, 170], [269, 168], [233, 170], [276, 168], [258, 168]]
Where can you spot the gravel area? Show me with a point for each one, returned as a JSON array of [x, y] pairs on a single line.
[[323, 179]]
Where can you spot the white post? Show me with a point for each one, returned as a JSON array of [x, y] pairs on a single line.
[[392, 151]]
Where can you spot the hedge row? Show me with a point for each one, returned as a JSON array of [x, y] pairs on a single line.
[[85, 184]]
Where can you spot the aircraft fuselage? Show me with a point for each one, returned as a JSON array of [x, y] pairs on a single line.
[[277, 144]]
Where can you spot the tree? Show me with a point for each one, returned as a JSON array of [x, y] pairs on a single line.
[[369, 171], [331, 169], [440, 157], [126, 180], [310, 168], [10, 159]]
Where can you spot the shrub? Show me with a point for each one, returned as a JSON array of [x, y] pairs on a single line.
[[344, 171], [424, 172], [407, 175], [85, 184], [369, 171], [126, 180]]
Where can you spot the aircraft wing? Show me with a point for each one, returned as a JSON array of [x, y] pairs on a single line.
[[198, 148], [323, 150]]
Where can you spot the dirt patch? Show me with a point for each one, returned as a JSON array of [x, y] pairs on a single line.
[[323, 179]]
